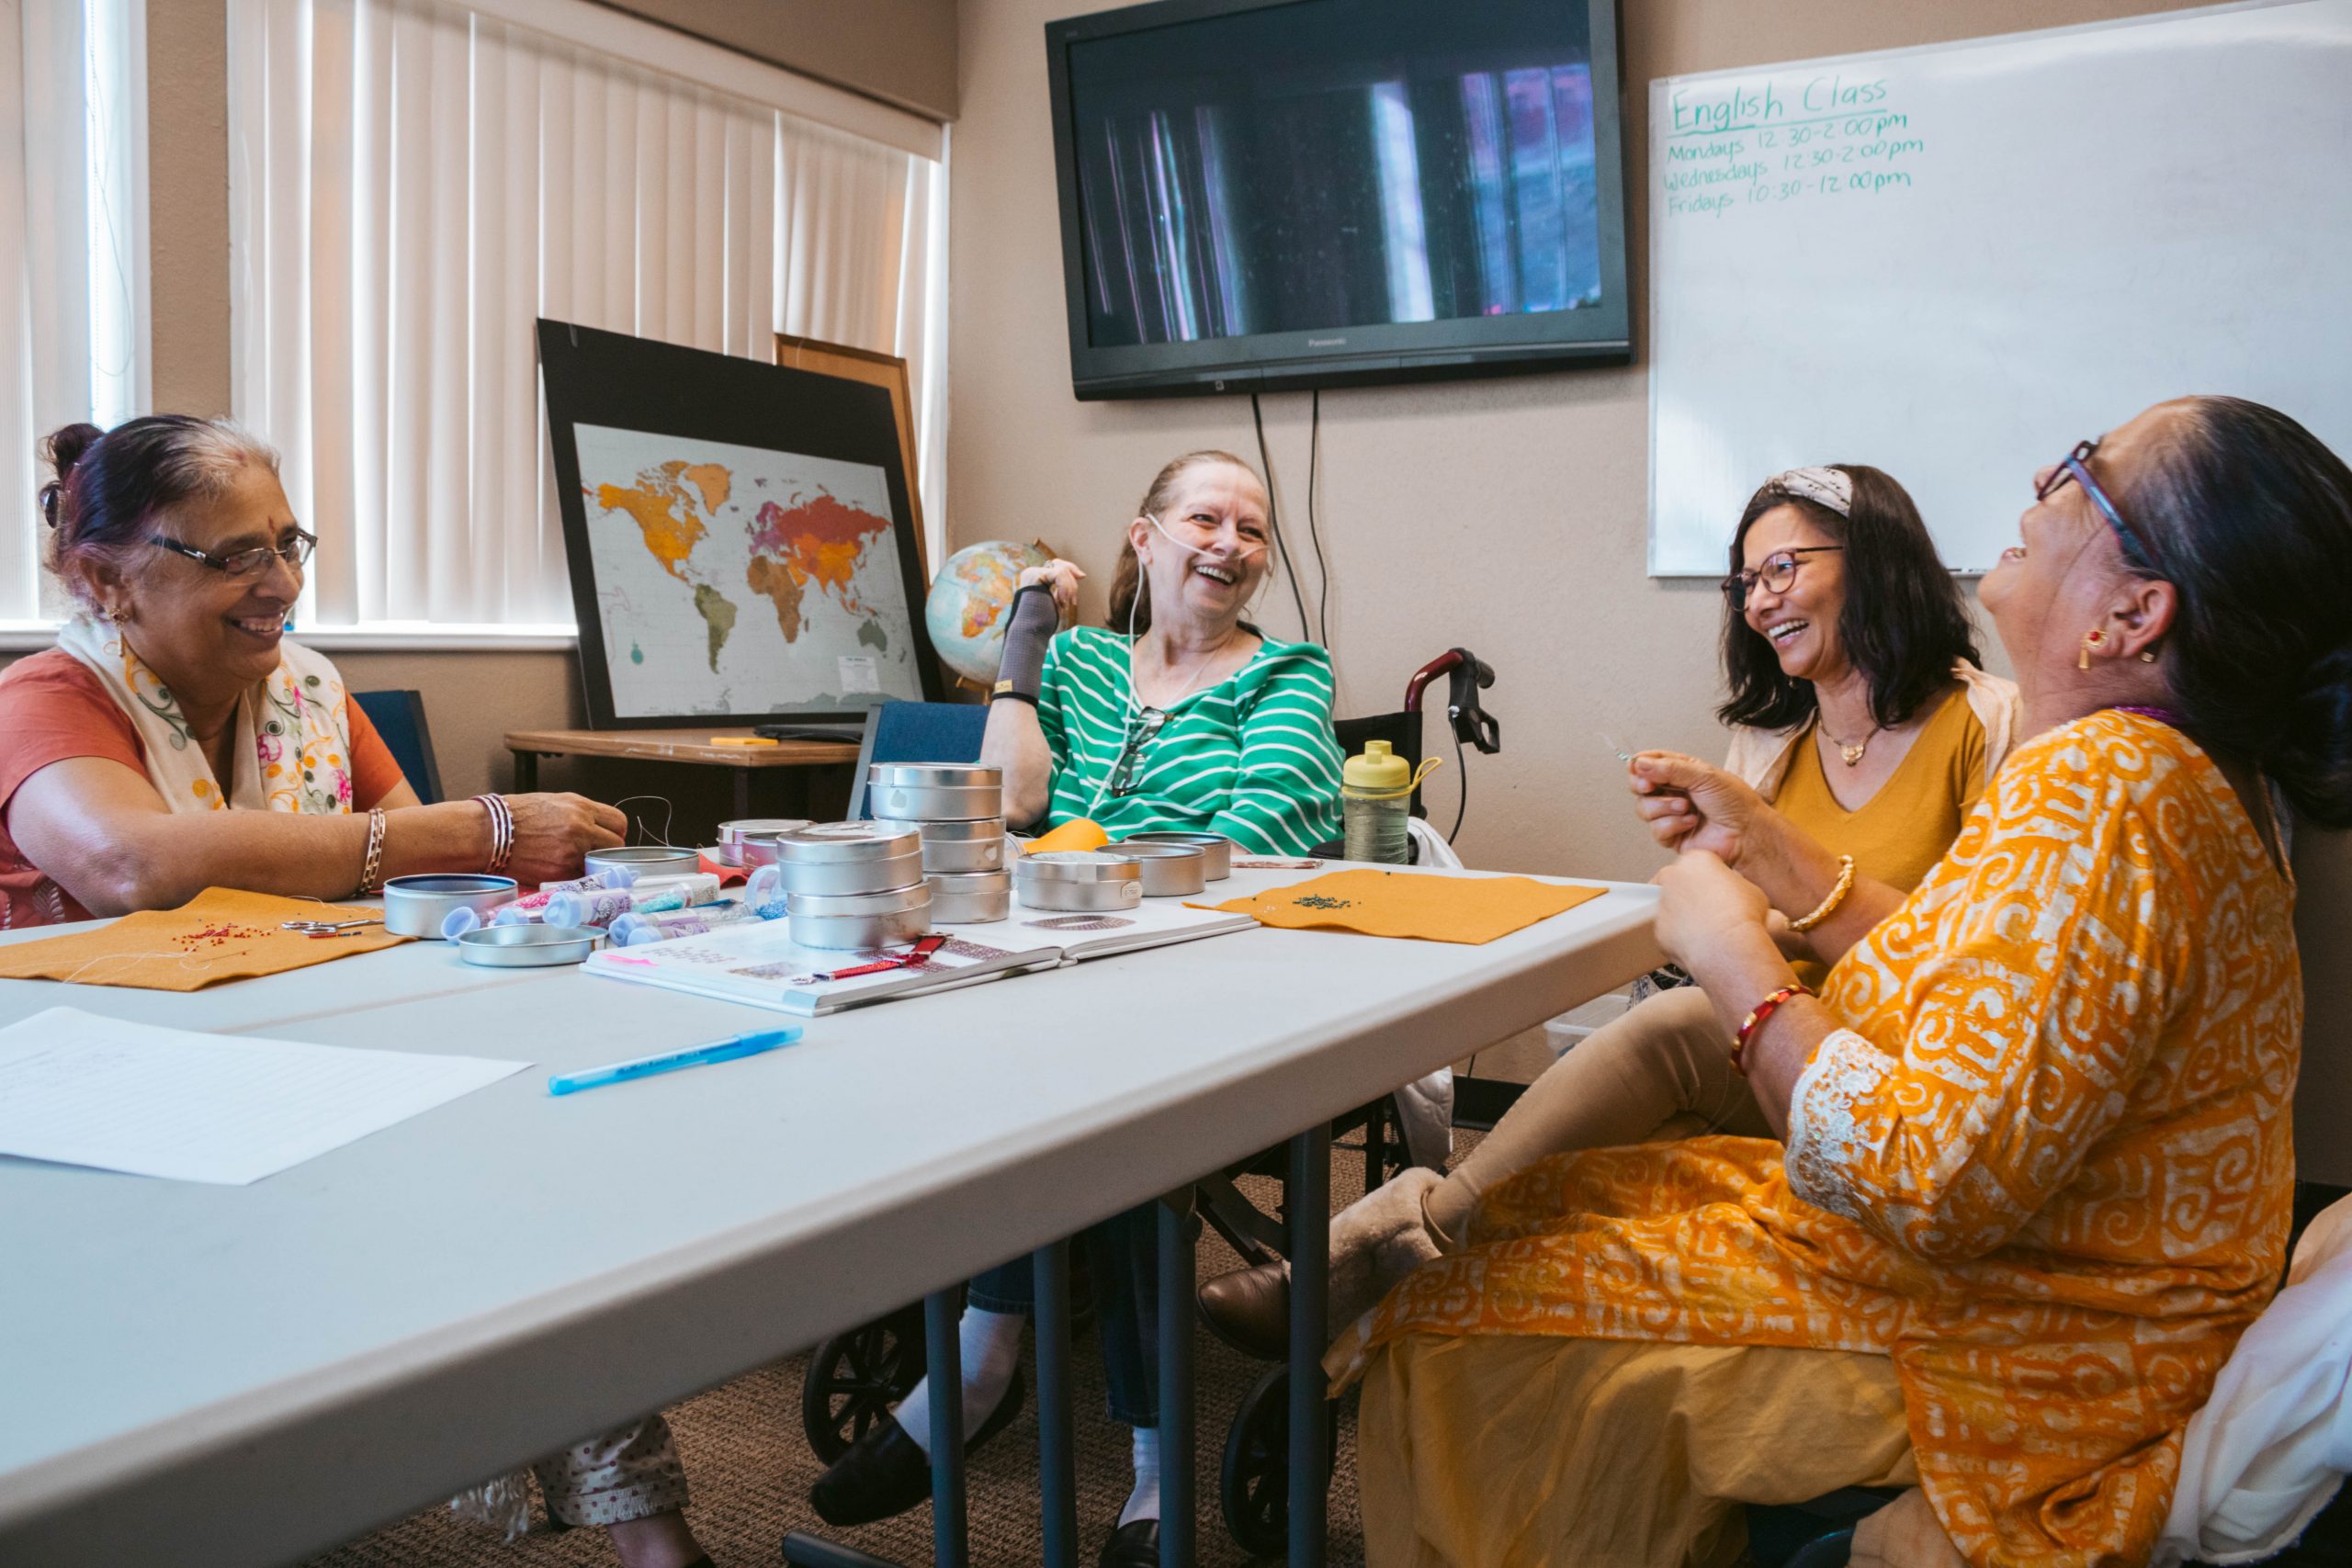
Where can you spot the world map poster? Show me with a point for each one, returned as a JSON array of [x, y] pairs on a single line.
[[738, 580]]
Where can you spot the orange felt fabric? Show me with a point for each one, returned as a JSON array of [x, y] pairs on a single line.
[[1471, 909], [220, 934]]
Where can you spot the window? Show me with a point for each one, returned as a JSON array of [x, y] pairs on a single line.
[[413, 182], [73, 251]]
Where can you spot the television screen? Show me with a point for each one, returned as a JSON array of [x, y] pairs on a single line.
[[1315, 192]]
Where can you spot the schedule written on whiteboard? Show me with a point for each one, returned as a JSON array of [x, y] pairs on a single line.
[[1830, 137]]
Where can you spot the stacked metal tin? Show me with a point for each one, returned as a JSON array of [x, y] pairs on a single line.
[[957, 809], [750, 841], [852, 884]]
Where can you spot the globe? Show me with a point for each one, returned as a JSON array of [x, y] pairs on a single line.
[[964, 610]]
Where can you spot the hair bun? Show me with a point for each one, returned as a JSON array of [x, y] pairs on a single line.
[[65, 448], [2312, 761]]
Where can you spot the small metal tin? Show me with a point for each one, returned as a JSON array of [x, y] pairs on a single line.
[[959, 846], [415, 905], [835, 858], [736, 839], [529, 947], [935, 792], [859, 919], [646, 859], [1077, 881], [1217, 847], [969, 897], [1169, 871]]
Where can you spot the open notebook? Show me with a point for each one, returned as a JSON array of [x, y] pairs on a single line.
[[760, 964]]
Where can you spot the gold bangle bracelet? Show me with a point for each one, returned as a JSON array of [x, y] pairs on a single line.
[[1837, 897]]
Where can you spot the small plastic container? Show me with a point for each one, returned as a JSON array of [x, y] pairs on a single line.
[[1376, 800]]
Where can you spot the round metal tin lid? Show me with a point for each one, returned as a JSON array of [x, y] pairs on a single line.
[[449, 884], [894, 901], [830, 842], [1079, 865], [934, 775], [746, 828], [1176, 836], [527, 947], [1151, 851], [977, 833]]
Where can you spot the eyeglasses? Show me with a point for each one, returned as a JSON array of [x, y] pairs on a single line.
[[1141, 727], [1779, 570], [2074, 466], [245, 565]]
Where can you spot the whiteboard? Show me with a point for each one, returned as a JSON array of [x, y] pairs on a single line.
[[1955, 262]]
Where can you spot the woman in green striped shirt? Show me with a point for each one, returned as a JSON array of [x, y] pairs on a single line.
[[1197, 720], [1186, 717]]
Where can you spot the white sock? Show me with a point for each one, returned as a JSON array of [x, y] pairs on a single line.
[[990, 1346], [1143, 1503]]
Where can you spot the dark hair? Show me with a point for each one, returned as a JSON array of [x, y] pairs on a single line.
[[1903, 624], [2250, 517], [112, 484], [1130, 594]]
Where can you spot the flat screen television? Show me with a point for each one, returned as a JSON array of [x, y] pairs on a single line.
[[1262, 195]]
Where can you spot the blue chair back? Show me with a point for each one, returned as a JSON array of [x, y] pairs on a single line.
[[916, 732], [399, 717]]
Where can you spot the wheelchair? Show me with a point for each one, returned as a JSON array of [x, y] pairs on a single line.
[[854, 1379]]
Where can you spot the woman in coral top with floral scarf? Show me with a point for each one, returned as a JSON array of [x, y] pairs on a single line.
[[2038, 1161]]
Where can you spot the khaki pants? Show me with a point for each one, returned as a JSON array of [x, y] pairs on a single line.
[[1662, 1070]]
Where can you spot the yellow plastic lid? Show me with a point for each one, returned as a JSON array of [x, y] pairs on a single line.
[[1379, 768]]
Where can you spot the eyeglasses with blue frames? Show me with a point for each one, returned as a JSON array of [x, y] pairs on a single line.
[[2074, 466], [245, 565], [1141, 727], [1779, 570]]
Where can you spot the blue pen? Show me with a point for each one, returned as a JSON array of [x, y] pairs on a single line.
[[671, 1061]]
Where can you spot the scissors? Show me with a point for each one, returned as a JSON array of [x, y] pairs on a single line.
[[329, 928]]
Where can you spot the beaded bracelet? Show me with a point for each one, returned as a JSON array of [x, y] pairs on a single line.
[[1755, 1021], [1837, 897], [502, 829], [372, 865]]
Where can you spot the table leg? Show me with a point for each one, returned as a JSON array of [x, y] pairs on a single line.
[[810, 1551], [527, 772], [1179, 1227], [941, 1318], [1309, 1202], [1056, 1449], [742, 792]]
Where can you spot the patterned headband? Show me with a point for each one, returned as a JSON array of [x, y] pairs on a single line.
[[1823, 487]]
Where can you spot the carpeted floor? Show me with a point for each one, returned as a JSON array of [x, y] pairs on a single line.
[[750, 1469]]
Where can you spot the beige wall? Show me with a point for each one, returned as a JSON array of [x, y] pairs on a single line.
[[1506, 515], [899, 51]]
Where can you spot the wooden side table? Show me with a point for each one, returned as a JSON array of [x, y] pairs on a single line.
[[690, 746]]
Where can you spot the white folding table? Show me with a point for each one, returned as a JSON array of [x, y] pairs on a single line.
[[201, 1375]]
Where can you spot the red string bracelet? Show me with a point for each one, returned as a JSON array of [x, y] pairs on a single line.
[[1755, 1021]]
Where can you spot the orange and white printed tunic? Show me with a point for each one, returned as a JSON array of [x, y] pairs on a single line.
[[2046, 1165]]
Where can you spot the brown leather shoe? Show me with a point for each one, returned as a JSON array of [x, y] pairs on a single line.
[[1249, 1309]]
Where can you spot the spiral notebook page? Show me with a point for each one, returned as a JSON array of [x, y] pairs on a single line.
[[76, 1089]]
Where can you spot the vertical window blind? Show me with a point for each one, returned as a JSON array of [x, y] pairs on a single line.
[[73, 252], [413, 182]]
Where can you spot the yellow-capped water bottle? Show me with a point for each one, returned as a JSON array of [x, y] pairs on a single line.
[[1376, 797]]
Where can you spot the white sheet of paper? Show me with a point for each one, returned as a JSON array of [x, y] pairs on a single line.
[[81, 1090]]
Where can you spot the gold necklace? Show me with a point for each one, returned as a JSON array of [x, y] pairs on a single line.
[[1852, 755]]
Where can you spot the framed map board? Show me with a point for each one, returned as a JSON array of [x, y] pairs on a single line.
[[742, 537]]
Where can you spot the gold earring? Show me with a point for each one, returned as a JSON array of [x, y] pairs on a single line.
[[2092, 640]]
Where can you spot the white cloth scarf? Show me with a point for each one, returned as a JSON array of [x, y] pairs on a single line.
[[292, 750]]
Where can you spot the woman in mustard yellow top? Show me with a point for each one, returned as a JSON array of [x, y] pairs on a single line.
[[1857, 707], [2036, 1164]]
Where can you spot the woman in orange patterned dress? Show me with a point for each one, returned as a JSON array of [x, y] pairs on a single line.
[[2037, 1160]]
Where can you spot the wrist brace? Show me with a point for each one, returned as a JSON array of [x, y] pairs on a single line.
[[1031, 622]]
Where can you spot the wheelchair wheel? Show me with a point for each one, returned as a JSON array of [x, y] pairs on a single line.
[[854, 1377], [1253, 1483]]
